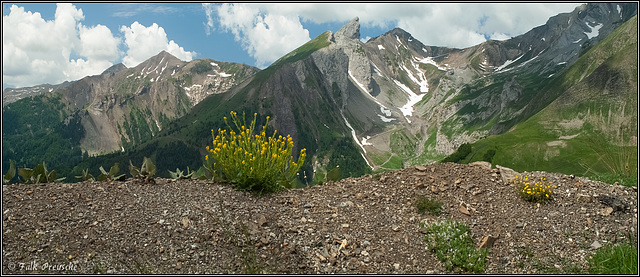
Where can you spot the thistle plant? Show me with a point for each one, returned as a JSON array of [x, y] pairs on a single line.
[[145, 172], [254, 162], [533, 189], [179, 174]]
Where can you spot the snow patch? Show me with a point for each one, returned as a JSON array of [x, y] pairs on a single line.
[[122, 148], [386, 112], [429, 60], [355, 138], [407, 109], [214, 64], [424, 86], [164, 67], [222, 74], [174, 72], [358, 83], [619, 11], [130, 75], [380, 47], [364, 141], [577, 41], [386, 119], [507, 63], [595, 30], [50, 89], [543, 39], [376, 70]]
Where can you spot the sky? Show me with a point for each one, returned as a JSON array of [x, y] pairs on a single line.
[[52, 43]]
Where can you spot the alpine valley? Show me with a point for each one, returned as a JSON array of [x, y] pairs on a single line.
[[561, 97]]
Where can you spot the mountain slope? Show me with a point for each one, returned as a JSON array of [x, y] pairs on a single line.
[[384, 104], [113, 111], [591, 128]]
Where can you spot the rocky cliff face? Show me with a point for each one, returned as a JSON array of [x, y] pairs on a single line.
[[123, 106]]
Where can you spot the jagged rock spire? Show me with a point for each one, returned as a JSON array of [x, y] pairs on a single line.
[[350, 30]]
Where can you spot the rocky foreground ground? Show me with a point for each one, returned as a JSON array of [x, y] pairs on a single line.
[[358, 225]]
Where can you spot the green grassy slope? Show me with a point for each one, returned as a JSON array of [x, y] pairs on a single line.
[[591, 128]]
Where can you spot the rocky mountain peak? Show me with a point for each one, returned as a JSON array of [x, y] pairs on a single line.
[[115, 68], [350, 30]]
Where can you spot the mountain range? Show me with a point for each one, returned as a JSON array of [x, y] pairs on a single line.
[[385, 104]]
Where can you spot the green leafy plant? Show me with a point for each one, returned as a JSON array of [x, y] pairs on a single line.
[[40, 174], [425, 204], [205, 172], [334, 174], [6, 179], [86, 176], [533, 189], [112, 175], [145, 172], [452, 243], [179, 174], [619, 259], [251, 162]]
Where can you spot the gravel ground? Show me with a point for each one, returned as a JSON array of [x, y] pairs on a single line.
[[358, 225]]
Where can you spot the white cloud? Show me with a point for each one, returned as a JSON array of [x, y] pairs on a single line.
[[146, 42], [265, 36], [37, 51], [209, 11]]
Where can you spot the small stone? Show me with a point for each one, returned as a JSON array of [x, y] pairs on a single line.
[[487, 242], [395, 228], [485, 165], [178, 265], [29, 192], [464, 210], [606, 211], [262, 220], [396, 266], [421, 168], [519, 225], [596, 245], [345, 225]]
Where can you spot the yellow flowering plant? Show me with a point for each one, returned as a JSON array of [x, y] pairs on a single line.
[[533, 189], [254, 162]]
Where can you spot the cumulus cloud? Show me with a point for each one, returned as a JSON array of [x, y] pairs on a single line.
[[458, 25], [265, 36], [37, 51], [146, 42]]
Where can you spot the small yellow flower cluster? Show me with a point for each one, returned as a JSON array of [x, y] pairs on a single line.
[[534, 189], [254, 162]]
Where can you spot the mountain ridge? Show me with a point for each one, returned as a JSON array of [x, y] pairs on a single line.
[[390, 102]]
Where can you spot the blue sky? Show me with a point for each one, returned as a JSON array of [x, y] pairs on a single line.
[[52, 43]]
